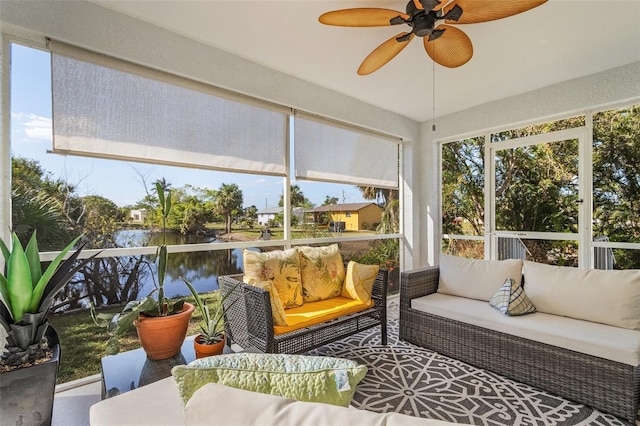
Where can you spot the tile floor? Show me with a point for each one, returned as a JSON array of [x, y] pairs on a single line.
[[72, 401]]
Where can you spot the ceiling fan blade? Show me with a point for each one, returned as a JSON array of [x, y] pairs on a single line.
[[474, 11], [361, 17], [384, 53], [452, 47]]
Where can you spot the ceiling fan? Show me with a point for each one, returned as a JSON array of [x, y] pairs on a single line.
[[445, 44]]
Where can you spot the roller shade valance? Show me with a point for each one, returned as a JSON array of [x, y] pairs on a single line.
[[108, 108], [328, 151]]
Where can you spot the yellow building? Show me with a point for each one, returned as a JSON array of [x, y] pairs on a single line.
[[355, 216]]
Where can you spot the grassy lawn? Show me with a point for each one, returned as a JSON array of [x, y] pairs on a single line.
[[83, 343]]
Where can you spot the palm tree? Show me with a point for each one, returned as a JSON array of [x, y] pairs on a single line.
[[163, 183], [228, 203], [388, 198]]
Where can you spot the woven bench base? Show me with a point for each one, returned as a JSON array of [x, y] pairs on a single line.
[[608, 386]]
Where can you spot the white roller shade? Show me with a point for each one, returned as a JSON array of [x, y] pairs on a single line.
[[105, 107], [326, 151]]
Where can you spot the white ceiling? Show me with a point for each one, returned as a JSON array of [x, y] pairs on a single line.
[[557, 41]]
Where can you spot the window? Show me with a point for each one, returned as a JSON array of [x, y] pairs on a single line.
[[541, 189], [109, 196]]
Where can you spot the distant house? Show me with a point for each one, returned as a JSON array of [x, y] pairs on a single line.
[[138, 215], [264, 216], [356, 216]]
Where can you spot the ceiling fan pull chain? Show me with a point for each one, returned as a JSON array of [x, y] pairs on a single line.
[[433, 94]]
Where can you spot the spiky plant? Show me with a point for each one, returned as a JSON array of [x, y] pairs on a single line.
[[26, 293], [212, 324], [151, 305]]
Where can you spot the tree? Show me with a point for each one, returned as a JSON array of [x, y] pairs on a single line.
[[463, 186], [616, 176], [388, 198], [228, 203], [296, 198], [536, 186], [328, 201], [250, 216], [37, 205]]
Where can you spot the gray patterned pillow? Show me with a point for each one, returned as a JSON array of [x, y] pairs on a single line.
[[511, 299]]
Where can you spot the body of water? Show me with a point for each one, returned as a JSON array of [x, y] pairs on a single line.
[[124, 278]]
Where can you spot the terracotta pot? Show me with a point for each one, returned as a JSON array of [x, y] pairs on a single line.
[[162, 337], [203, 350]]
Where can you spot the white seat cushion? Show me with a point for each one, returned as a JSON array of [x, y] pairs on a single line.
[[600, 340]]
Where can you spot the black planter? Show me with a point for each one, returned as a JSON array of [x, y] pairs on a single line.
[[26, 394]]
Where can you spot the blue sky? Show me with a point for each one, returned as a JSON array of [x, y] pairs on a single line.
[[121, 182]]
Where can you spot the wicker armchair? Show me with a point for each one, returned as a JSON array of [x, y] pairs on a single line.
[[249, 322]]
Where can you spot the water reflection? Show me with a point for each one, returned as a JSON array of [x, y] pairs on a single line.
[[117, 280], [200, 268]]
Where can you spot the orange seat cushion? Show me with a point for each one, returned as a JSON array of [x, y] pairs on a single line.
[[319, 312]]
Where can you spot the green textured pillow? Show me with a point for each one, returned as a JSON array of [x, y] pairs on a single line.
[[304, 378], [511, 299]]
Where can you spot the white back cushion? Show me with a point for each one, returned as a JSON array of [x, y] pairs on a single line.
[[607, 297], [476, 278]]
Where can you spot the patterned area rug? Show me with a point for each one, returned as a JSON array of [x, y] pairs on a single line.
[[408, 379]]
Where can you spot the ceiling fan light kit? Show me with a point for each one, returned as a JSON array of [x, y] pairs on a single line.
[[447, 45]]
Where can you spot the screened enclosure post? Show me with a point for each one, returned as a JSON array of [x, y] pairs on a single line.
[[5, 146]]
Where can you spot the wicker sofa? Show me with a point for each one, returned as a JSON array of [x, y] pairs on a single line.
[[249, 319], [581, 359]]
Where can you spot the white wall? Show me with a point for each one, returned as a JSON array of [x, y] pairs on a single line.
[[93, 27], [618, 86]]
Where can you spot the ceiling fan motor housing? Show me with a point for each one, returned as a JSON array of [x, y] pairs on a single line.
[[422, 21]]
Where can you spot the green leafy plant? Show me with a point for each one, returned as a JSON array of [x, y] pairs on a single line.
[[27, 294], [212, 325], [151, 305]]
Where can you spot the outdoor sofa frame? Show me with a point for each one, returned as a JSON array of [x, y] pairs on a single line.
[[606, 385], [249, 322]]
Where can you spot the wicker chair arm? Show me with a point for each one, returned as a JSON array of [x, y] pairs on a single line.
[[380, 288], [249, 322], [418, 283]]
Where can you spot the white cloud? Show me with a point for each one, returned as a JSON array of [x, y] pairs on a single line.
[[34, 126]]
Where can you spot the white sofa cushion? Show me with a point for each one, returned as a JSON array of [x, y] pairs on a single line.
[[219, 404], [476, 278], [157, 403], [607, 297], [604, 341]]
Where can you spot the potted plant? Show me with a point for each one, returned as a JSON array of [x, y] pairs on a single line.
[[211, 339], [29, 362], [160, 322]]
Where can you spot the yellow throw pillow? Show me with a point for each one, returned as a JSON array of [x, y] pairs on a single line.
[[358, 284], [322, 272], [281, 267], [279, 317]]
